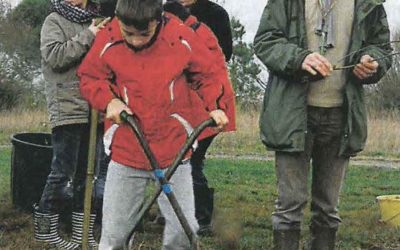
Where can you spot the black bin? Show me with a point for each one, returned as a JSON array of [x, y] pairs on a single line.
[[30, 166]]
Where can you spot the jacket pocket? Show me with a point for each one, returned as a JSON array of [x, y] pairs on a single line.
[[68, 91], [358, 133], [71, 104], [283, 119]]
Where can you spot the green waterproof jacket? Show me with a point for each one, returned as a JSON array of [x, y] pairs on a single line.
[[281, 44]]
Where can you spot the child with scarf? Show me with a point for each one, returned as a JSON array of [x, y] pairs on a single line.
[[66, 36]]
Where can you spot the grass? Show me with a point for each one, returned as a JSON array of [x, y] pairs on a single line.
[[17, 121], [245, 194], [4, 171], [383, 135]]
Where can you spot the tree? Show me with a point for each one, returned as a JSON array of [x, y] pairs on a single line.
[[9, 91], [20, 54], [23, 27], [244, 71], [386, 94]]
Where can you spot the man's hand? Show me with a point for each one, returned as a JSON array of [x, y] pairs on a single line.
[[366, 68], [220, 118], [114, 109], [315, 63]]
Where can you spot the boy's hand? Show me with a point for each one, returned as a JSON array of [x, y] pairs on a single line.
[[114, 109], [366, 68], [315, 63], [98, 24], [220, 118]]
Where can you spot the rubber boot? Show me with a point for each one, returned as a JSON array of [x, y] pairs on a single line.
[[46, 230], [77, 229], [286, 239], [204, 206], [323, 238]]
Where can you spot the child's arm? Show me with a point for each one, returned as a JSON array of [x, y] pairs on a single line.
[[60, 52], [96, 83], [207, 79]]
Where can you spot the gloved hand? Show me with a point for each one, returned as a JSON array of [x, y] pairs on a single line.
[[177, 9]]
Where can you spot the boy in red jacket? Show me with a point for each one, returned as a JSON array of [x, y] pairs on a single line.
[[145, 58], [203, 194]]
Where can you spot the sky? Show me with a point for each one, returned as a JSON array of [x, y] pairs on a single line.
[[249, 13], [250, 19]]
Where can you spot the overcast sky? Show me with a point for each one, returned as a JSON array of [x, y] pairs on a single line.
[[249, 13]]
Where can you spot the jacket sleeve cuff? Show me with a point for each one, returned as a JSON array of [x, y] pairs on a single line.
[[86, 37], [299, 61], [212, 106], [105, 100], [212, 101]]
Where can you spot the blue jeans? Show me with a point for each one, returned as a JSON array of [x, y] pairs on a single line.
[[322, 146], [66, 182]]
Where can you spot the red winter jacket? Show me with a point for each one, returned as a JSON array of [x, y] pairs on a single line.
[[227, 99], [153, 84]]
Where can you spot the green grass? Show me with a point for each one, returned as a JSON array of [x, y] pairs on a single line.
[[245, 194], [4, 172]]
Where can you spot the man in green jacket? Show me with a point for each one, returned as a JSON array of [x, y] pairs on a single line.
[[311, 110]]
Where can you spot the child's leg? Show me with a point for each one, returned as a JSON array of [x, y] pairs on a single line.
[[102, 161], [58, 191], [81, 170], [123, 195], [182, 186], [203, 195]]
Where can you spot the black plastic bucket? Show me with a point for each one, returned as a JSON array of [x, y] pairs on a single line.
[[30, 166]]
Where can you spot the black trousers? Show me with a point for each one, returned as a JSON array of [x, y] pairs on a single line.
[[203, 195]]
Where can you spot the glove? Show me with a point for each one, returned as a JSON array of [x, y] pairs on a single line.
[[177, 9]]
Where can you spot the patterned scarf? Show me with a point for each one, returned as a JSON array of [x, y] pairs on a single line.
[[326, 24], [73, 13]]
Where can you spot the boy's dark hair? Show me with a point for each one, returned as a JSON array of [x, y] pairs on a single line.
[[138, 13]]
